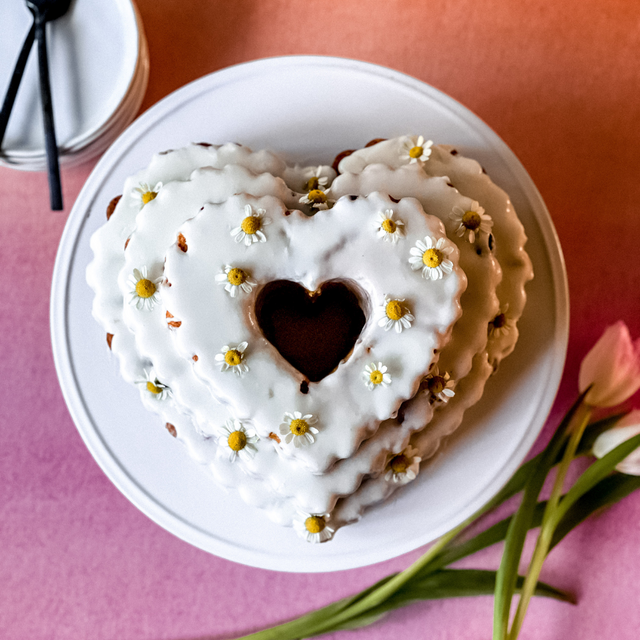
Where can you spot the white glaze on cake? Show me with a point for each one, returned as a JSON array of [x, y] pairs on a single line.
[[272, 480], [271, 483], [446, 419], [479, 302], [467, 175], [322, 490], [176, 202], [338, 244], [109, 240]]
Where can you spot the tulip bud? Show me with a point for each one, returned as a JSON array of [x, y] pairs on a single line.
[[611, 368], [626, 428]]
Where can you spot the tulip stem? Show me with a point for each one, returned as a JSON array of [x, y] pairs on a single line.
[[578, 424], [394, 584]]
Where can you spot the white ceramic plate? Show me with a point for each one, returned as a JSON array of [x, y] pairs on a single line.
[[93, 55], [308, 109]]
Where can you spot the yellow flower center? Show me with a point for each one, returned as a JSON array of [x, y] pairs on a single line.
[[250, 224], [436, 384], [376, 377], [416, 152], [314, 524], [432, 258], [389, 226], [316, 196], [471, 220], [394, 310], [152, 388], [145, 288], [399, 463], [237, 440], [313, 183], [299, 427], [236, 276], [233, 357], [148, 196]]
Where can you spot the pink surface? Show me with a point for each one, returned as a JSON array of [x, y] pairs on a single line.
[[559, 83]]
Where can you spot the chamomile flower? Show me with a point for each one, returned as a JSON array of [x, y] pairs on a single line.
[[315, 179], [144, 194], [144, 293], [431, 257], [416, 149], [439, 386], [235, 280], [233, 358], [153, 386], [299, 428], [250, 229], [313, 527], [501, 325], [375, 375], [471, 221], [395, 314], [403, 467], [237, 441], [389, 229], [318, 199]]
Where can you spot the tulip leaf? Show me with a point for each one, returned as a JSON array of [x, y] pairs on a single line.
[[447, 583], [456, 583], [608, 491], [521, 523], [517, 482], [301, 627], [594, 490], [596, 472], [484, 539], [520, 477], [363, 620]]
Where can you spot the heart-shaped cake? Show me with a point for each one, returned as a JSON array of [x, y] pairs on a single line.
[[310, 335]]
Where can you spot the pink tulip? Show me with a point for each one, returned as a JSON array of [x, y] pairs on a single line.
[[612, 367], [628, 427]]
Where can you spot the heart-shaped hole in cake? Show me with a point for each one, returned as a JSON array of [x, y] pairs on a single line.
[[312, 330]]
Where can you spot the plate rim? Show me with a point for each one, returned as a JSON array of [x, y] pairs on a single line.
[[59, 319]]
